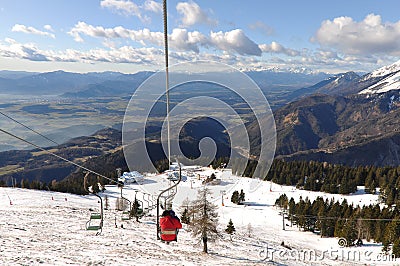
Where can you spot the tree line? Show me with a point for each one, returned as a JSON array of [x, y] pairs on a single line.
[[331, 218], [314, 176], [334, 178]]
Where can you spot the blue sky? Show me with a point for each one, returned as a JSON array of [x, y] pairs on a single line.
[[126, 36]]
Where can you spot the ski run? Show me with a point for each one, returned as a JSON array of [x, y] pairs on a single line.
[[48, 228]]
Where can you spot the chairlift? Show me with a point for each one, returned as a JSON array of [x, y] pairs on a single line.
[[96, 219], [95, 223], [169, 197], [140, 210], [126, 214]]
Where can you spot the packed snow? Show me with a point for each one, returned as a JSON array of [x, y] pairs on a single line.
[[391, 82], [385, 70], [48, 228]]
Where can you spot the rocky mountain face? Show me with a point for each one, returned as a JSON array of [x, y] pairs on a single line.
[[323, 126]]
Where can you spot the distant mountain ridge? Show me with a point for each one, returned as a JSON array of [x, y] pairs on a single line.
[[61, 82], [100, 84], [336, 85]]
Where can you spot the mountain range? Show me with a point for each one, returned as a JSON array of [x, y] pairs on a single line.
[[69, 84], [347, 118], [78, 85], [350, 120]]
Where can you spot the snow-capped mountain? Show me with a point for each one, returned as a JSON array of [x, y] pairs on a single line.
[[381, 80], [336, 84], [388, 79], [386, 70]]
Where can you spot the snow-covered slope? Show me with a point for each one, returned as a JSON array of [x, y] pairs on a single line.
[[390, 79], [386, 70], [47, 228]]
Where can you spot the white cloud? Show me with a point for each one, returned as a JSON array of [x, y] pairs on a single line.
[[151, 57], [235, 40], [129, 8], [31, 30], [143, 36], [154, 57], [262, 27], [48, 28], [193, 14], [275, 47], [125, 54], [153, 6], [23, 51], [369, 36], [180, 39], [126, 8]]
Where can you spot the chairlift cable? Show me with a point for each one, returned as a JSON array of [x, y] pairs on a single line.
[[167, 76], [342, 218], [55, 155], [27, 127]]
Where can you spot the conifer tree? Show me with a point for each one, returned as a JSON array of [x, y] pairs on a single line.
[[136, 211], [185, 216], [241, 197], [204, 224], [349, 231], [396, 248], [230, 229], [235, 197]]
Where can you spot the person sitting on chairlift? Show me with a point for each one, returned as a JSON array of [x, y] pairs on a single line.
[[173, 215], [169, 226]]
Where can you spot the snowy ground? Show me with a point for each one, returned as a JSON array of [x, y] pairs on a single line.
[[47, 228]]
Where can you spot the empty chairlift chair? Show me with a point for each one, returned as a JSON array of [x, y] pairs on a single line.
[[95, 222], [126, 214]]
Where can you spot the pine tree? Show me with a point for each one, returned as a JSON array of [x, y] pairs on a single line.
[[185, 216], [205, 220], [230, 229], [238, 198], [136, 211], [95, 187], [235, 197], [349, 231], [241, 197], [392, 232], [396, 248], [370, 185]]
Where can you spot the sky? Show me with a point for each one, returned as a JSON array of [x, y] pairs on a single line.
[[127, 35]]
